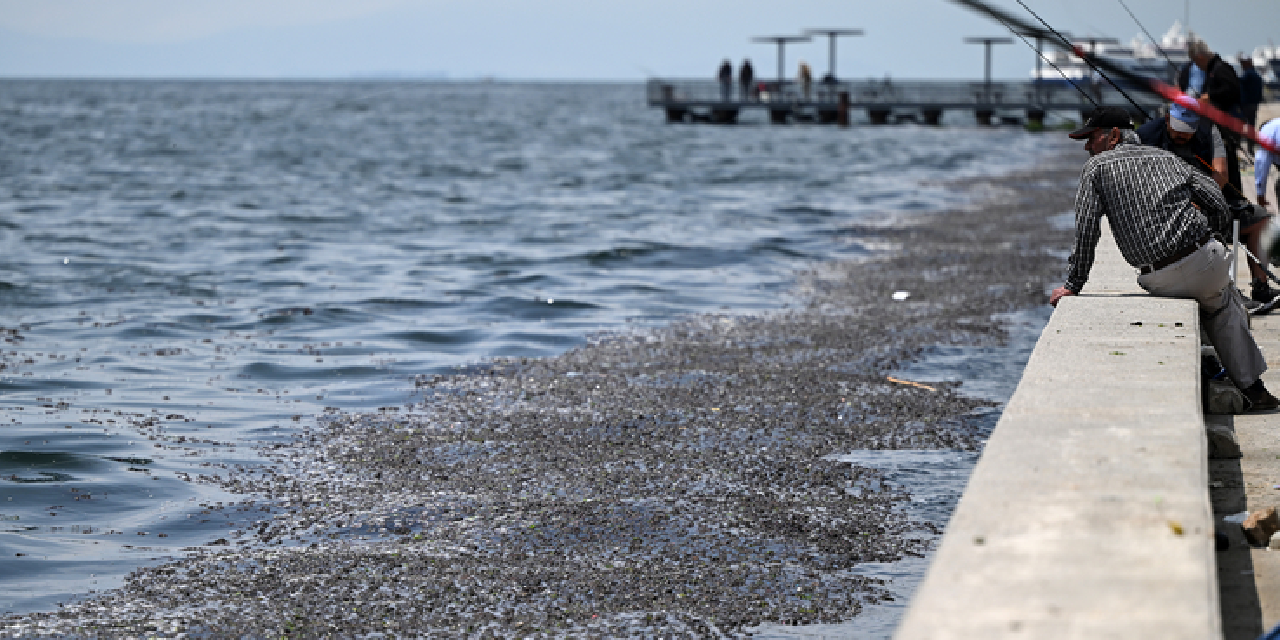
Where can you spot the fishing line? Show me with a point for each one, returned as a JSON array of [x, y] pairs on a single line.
[[1172, 66], [1140, 83], [1270, 276], [1089, 62], [1050, 62], [1261, 264]]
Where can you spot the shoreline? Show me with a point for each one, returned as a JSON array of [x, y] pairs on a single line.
[[672, 444]]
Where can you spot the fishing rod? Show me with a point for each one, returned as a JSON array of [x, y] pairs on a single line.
[[1088, 62], [1055, 67], [1256, 261], [1172, 67], [1139, 82]]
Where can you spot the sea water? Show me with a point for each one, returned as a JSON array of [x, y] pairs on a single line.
[[219, 262]]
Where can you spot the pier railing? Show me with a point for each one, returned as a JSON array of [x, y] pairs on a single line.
[[887, 94]]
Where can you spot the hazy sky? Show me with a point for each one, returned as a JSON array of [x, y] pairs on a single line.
[[558, 39]]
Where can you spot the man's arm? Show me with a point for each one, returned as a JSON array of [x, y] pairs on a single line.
[[1208, 195], [1262, 161], [1088, 230], [1219, 166]]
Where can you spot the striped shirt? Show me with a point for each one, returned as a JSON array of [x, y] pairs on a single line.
[[1149, 195]]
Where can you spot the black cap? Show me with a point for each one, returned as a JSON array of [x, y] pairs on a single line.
[[1103, 118]]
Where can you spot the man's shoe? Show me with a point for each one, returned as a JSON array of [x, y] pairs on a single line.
[[1259, 398], [1262, 292]]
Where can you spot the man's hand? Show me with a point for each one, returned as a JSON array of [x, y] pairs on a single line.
[[1060, 293], [1262, 200]]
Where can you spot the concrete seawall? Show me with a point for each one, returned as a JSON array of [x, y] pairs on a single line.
[[1088, 515]]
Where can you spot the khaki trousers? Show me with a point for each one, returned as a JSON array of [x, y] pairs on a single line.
[[1204, 276]]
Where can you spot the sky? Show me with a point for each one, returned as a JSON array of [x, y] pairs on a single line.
[[562, 39]]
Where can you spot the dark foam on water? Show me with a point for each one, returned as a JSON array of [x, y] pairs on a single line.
[[192, 268], [935, 478]]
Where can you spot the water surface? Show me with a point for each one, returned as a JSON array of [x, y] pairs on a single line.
[[192, 269]]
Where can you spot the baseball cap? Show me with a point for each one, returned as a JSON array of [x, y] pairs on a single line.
[[1183, 119], [1103, 118]]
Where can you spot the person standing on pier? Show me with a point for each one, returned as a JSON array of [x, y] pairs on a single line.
[[1264, 159], [1208, 77], [805, 76], [746, 80], [1250, 94], [1164, 216], [726, 80]]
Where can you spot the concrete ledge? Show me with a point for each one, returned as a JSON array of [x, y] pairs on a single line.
[[1088, 513]]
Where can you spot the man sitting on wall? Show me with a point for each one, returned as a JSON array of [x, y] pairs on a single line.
[[1164, 215], [1198, 142]]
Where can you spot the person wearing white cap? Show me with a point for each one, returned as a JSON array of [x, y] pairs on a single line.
[[1190, 137]]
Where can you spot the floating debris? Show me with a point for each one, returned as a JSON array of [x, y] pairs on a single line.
[[677, 482]]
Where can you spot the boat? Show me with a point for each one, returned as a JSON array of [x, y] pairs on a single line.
[[1141, 56]]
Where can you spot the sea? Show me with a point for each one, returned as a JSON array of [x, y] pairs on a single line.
[[220, 261]]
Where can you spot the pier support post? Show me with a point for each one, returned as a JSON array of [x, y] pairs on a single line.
[[842, 111], [879, 116], [1035, 117], [984, 116], [674, 114], [932, 117], [779, 116], [724, 116]]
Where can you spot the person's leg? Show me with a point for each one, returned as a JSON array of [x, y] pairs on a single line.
[[1250, 119], [1232, 143], [1228, 329], [1205, 277], [1251, 235]]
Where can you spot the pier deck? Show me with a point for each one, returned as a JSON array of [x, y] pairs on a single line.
[[1249, 577], [883, 100], [1092, 511]]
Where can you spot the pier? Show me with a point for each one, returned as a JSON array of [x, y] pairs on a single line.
[[884, 101], [1088, 514], [1093, 509]]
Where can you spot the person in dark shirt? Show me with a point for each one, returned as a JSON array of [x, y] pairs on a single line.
[[1163, 215], [1250, 95], [746, 80], [1208, 77], [725, 75], [1190, 137]]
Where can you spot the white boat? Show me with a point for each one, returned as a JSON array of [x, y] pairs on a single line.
[[1141, 56], [1266, 60]]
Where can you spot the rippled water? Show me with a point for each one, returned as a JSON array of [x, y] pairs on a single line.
[[220, 261]]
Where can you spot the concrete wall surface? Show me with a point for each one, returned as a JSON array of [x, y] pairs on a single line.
[[1088, 513]]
